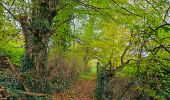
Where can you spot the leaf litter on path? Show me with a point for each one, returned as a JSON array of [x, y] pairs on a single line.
[[80, 90]]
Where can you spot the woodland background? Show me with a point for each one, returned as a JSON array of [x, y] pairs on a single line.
[[120, 47]]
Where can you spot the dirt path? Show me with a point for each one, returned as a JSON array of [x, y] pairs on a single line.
[[80, 90]]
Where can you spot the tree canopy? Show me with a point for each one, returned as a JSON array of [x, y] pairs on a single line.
[[127, 39]]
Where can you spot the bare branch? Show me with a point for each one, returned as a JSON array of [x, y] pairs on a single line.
[[17, 74]]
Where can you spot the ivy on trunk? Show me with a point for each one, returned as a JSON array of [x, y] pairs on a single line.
[[37, 30]]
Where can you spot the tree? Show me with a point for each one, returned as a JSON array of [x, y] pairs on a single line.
[[145, 47], [119, 33], [37, 27]]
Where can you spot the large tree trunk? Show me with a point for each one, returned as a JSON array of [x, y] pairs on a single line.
[[37, 32]]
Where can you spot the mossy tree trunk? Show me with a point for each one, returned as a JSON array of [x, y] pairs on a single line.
[[37, 29]]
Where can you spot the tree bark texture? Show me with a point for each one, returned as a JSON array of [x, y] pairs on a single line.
[[37, 30]]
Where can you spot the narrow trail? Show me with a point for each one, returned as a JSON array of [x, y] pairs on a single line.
[[80, 90]]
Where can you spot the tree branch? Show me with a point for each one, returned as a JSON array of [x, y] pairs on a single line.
[[34, 94], [161, 45], [166, 14], [65, 21], [87, 5], [10, 12], [12, 4], [122, 66], [123, 55], [125, 8], [126, 89], [17, 74], [148, 1], [153, 30], [62, 7]]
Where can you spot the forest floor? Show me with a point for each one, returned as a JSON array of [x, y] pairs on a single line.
[[80, 90]]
